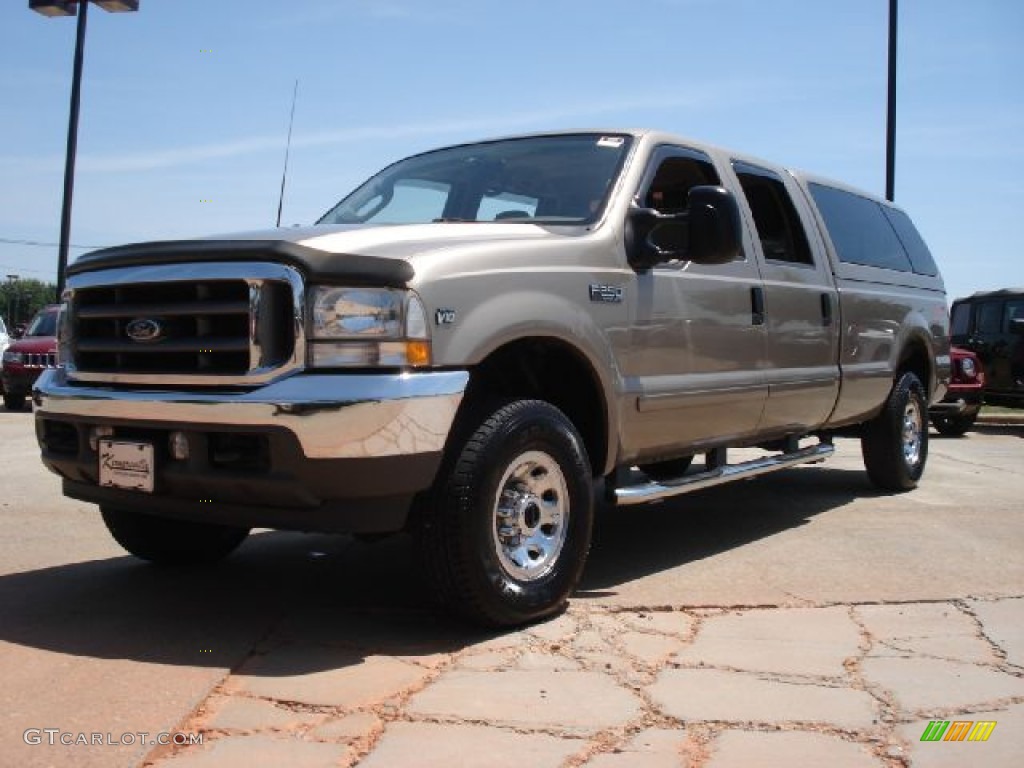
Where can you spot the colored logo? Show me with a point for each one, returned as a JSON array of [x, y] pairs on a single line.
[[144, 330], [958, 730]]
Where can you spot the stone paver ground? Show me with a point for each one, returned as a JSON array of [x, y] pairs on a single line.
[[844, 686]]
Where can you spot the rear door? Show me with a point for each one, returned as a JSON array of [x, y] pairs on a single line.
[[801, 307]]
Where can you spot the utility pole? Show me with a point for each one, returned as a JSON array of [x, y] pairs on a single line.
[[890, 127]]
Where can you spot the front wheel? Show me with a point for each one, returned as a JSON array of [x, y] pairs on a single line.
[[955, 425], [895, 442], [14, 402], [171, 542], [507, 532]]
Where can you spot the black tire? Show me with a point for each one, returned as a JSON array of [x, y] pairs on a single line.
[[505, 535], [895, 442], [955, 425], [667, 470], [14, 402], [167, 541]]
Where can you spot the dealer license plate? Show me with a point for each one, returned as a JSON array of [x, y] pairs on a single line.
[[125, 464]]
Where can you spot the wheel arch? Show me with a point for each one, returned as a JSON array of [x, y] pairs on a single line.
[[547, 368], [916, 357]]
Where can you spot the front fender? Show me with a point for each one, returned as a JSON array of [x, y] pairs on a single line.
[[478, 330]]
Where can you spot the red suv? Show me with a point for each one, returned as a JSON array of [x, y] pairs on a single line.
[[29, 356]]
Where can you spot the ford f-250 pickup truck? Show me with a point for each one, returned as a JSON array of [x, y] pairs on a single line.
[[470, 340]]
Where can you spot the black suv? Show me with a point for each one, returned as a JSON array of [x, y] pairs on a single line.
[[991, 324]]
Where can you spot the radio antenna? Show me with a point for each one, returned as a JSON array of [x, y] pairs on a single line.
[[287, 149]]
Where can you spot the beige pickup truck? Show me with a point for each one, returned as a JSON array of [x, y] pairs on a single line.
[[470, 340]]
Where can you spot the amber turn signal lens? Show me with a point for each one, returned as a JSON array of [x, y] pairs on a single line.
[[417, 352]]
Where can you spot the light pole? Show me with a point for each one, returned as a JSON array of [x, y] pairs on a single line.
[[890, 122], [70, 8]]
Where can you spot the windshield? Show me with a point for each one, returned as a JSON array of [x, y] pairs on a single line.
[[544, 179], [43, 324]]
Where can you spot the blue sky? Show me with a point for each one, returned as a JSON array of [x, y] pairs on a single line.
[[185, 105]]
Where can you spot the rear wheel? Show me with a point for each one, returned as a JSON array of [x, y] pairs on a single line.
[[957, 424], [895, 442], [171, 542], [507, 532]]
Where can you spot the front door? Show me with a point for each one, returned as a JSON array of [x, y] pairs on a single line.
[[693, 359]]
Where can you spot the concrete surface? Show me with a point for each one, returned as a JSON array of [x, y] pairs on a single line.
[[799, 619]]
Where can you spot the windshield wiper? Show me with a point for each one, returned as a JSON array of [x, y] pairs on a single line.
[[453, 220]]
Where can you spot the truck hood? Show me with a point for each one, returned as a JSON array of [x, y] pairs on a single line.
[[401, 241], [359, 254]]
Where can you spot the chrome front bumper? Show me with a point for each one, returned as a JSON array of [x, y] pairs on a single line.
[[333, 416]]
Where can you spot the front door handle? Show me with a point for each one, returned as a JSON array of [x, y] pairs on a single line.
[[757, 305]]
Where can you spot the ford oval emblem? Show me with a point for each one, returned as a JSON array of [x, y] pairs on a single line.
[[145, 330]]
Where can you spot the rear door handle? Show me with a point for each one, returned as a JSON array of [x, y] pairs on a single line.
[[826, 309], [757, 305]]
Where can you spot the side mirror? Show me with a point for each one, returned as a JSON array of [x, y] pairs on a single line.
[[707, 232]]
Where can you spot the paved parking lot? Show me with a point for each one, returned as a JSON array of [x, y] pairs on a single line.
[[797, 619]]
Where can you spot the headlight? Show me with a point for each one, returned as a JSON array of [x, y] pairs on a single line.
[[967, 368], [12, 357], [364, 327]]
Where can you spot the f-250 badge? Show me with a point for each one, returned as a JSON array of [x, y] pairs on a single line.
[[607, 294]]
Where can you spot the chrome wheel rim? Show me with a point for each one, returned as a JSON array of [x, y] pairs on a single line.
[[531, 516], [912, 433]]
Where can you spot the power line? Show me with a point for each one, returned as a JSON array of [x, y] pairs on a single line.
[[36, 243]]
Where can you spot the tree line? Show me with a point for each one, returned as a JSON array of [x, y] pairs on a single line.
[[21, 299]]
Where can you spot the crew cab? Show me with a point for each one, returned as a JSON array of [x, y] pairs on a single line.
[[473, 338]]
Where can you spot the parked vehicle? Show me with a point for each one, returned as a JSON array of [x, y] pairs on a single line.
[[29, 356], [958, 410], [471, 339], [991, 324]]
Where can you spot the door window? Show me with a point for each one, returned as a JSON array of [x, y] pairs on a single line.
[[990, 317], [1014, 311], [961, 320], [668, 187], [778, 226]]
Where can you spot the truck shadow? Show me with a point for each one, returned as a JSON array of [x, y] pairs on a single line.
[[633, 542], [342, 600]]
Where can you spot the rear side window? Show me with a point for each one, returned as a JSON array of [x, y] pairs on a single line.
[[920, 256], [859, 229], [778, 225]]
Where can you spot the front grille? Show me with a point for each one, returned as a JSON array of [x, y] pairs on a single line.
[[221, 328], [41, 360]]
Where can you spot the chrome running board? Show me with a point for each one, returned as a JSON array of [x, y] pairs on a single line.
[[656, 491]]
